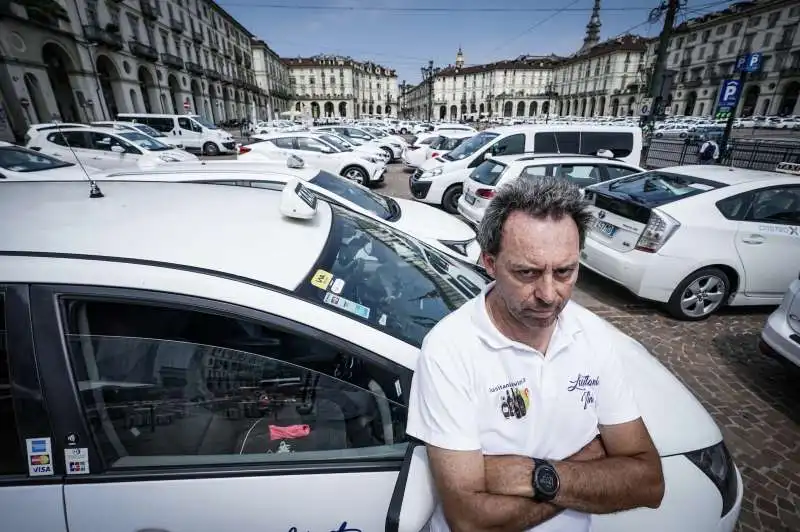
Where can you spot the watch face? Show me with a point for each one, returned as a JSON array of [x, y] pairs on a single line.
[[547, 481]]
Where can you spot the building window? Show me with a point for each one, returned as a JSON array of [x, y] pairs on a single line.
[[772, 20], [91, 13], [736, 28], [793, 12], [721, 30], [164, 41], [753, 22], [701, 52], [731, 47], [133, 22], [767, 39], [748, 41]]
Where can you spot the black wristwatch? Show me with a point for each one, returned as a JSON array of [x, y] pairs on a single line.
[[544, 480]]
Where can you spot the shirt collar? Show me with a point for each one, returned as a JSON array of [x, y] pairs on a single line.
[[562, 337]]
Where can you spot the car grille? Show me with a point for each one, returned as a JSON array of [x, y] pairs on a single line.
[[417, 174], [229, 145]]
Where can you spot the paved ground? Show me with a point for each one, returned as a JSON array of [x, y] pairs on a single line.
[[754, 400]]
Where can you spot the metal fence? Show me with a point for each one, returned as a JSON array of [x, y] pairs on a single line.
[[755, 154]]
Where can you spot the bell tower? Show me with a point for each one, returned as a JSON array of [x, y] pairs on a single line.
[[460, 58]]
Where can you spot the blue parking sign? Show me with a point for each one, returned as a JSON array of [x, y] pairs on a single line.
[[729, 93], [741, 62], [753, 62]]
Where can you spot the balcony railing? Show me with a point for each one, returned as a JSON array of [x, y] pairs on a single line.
[[214, 47], [791, 71], [693, 83], [238, 56], [686, 61], [177, 25], [226, 79], [783, 44], [212, 74], [194, 68], [108, 36], [197, 36], [172, 60], [142, 50], [148, 9]]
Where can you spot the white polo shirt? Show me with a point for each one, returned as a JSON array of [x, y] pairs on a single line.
[[474, 388]]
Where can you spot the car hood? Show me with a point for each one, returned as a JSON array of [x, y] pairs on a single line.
[[677, 421], [424, 221], [430, 164]]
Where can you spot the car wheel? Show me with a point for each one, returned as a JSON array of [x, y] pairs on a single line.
[[450, 199], [389, 154], [659, 135], [209, 148], [404, 131], [699, 295], [354, 173]]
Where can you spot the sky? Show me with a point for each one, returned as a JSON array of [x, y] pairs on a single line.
[[405, 34]]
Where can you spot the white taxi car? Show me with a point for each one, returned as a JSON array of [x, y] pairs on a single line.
[[106, 148], [180, 343], [360, 167], [18, 163], [493, 172], [781, 335], [697, 238]]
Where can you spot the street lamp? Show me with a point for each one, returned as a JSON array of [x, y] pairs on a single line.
[[429, 73], [403, 87]]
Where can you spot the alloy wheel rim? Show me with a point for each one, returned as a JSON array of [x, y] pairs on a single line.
[[703, 296]]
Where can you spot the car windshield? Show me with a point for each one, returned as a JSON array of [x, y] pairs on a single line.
[[380, 206], [470, 146], [336, 142], [203, 122], [144, 141], [386, 279], [376, 132], [16, 159], [147, 130], [447, 143], [657, 188]]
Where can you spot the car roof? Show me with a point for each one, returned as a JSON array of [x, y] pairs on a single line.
[[213, 170], [729, 175], [90, 129], [237, 231], [544, 157], [561, 127], [454, 134]]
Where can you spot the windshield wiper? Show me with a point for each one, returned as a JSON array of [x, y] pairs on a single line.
[[447, 157]]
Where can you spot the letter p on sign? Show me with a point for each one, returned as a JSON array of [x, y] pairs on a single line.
[[730, 92]]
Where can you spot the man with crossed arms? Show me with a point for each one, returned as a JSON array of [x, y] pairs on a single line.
[[520, 395]]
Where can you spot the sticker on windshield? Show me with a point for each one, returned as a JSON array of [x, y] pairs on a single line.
[[382, 320], [76, 461], [337, 286], [40, 457], [322, 279], [700, 186], [346, 304]]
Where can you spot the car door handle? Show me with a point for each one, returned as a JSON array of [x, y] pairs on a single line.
[[753, 239]]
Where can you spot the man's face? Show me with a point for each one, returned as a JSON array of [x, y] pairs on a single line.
[[536, 268]]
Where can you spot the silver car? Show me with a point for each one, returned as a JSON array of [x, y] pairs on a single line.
[[781, 334]]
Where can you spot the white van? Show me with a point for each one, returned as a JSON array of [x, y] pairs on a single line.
[[439, 180], [192, 131]]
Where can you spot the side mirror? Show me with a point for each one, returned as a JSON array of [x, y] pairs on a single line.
[[117, 149], [326, 150], [608, 154]]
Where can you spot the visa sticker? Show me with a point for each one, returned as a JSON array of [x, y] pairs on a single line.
[[322, 279], [40, 459], [346, 304], [337, 286]]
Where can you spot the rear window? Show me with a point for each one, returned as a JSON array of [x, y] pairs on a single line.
[[621, 144], [657, 188], [488, 172], [556, 142]]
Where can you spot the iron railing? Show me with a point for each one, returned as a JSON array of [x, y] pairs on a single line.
[[754, 154]]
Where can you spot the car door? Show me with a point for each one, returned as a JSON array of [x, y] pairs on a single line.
[[312, 151], [768, 241], [197, 415], [70, 146], [108, 151], [582, 175], [190, 133], [31, 476]]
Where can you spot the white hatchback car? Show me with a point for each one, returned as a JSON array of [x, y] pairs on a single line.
[[697, 238], [493, 172], [781, 335], [182, 342], [107, 148], [360, 167]]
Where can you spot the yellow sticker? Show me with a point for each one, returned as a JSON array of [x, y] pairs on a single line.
[[322, 279]]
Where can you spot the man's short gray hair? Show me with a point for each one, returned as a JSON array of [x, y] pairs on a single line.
[[538, 197]]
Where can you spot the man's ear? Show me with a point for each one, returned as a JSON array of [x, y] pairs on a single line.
[[489, 263]]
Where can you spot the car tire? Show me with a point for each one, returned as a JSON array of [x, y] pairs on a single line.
[[356, 174], [404, 131], [450, 199], [209, 148], [709, 288], [388, 153]]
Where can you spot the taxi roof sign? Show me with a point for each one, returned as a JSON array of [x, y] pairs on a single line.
[[788, 168], [297, 201]]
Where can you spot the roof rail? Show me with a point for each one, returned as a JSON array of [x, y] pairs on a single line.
[[788, 168]]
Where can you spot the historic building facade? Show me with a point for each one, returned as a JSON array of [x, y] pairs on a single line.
[[703, 52], [336, 86], [91, 59], [272, 76]]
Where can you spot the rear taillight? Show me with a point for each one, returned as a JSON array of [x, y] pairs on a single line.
[[244, 149], [434, 154], [485, 193], [660, 227]]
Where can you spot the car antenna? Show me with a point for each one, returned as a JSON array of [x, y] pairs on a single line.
[[558, 148], [94, 190]]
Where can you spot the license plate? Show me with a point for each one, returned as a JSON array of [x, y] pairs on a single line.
[[469, 198], [605, 228]]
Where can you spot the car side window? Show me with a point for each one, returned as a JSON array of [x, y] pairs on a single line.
[[101, 141], [582, 175], [12, 461], [779, 205], [618, 171], [511, 145], [735, 207], [57, 138], [77, 139], [536, 171], [168, 385], [308, 144], [286, 143], [185, 123]]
